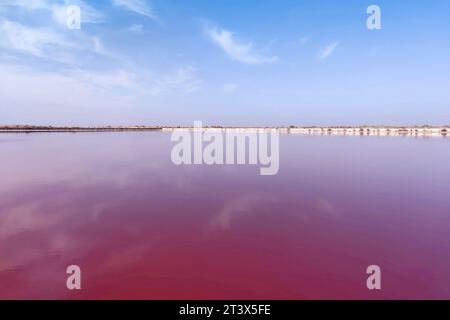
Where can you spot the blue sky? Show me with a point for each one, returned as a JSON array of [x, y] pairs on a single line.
[[228, 62]]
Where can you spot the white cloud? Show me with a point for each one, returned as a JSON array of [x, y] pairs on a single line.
[[328, 50], [229, 87], [88, 13], [99, 48], [183, 79], [138, 6], [84, 92], [116, 78], [31, 89], [53, 45], [57, 9], [136, 28], [242, 52], [39, 42], [49, 43]]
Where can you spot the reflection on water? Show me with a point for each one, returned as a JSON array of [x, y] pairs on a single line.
[[141, 227]]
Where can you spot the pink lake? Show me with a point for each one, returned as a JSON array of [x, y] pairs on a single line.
[[140, 227]]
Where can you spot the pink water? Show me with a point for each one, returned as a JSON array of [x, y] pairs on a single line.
[[140, 227]]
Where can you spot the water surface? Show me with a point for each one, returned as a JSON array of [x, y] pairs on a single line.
[[141, 227]]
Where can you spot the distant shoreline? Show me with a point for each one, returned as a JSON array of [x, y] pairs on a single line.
[[355, 130]]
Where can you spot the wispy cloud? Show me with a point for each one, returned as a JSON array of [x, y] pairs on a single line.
[[88, 13], [72, 89], [39, 42], [108, 80], [57, 9], [49, 43], [82, 88], [136, 28], [239, 51], [139, 83], [183, 79], [328, 50], [138, 6]]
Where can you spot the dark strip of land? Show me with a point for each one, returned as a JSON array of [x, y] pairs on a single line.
[[362, 129]]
